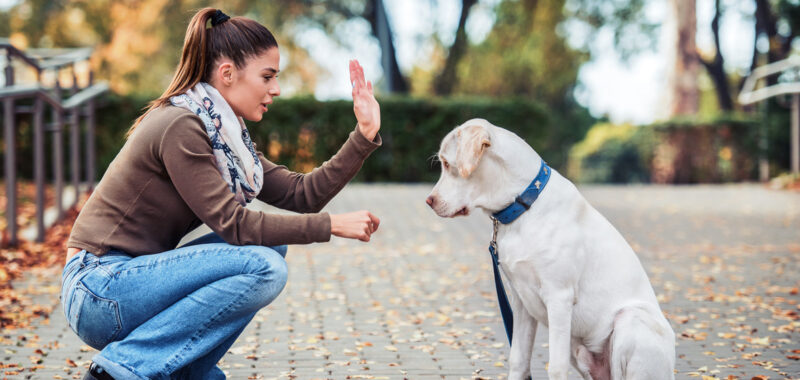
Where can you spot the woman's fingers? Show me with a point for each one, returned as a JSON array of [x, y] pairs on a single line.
[[355, 225], [365, 106], [353, 74], [356, 75], [367, 224], [374, 221], [356, 79], [360, 76]]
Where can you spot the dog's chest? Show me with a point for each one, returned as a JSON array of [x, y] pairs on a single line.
[[525, 280]]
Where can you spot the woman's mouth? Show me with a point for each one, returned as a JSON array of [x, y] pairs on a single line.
[[263, 107]]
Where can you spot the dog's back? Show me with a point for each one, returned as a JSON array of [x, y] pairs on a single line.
[[641, 343]]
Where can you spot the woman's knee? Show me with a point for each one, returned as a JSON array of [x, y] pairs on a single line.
[[281, 249], [269, 266]]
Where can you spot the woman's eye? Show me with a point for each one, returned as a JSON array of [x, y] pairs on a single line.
[[446, 165]]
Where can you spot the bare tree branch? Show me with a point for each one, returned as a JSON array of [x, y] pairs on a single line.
[[444, 83], [375, 13], [716, 67]]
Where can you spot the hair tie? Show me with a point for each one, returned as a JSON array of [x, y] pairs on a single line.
[[218, 18]]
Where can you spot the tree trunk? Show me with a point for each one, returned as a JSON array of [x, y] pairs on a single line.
[[446, 81], [779, 45], [769, 23], [716, 69], [376, 15], [685, 94]]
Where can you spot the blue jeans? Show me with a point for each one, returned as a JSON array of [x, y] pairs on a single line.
[[171, 315]]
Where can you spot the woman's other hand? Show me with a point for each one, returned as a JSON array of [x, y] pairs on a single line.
[[354, 225], [366, 108]]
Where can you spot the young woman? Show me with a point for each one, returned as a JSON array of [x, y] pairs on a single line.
[[156, 311]]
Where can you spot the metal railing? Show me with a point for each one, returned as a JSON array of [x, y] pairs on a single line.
[[65, 113], [791, 86]]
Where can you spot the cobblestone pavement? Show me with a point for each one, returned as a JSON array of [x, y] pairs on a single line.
[[418, 301]]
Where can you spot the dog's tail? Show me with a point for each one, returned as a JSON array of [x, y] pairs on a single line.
[[642, 346]]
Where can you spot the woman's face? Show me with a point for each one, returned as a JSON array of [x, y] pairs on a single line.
[[249, 90]]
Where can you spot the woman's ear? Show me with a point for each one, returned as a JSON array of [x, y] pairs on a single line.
[[225, 72]]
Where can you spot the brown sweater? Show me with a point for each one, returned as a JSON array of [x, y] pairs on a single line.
[[165, 182]]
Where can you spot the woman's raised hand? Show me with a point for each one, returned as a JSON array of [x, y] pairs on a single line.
[[366, 108], [354, 225]]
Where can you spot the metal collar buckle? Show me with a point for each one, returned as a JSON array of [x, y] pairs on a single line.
[[522, 201]]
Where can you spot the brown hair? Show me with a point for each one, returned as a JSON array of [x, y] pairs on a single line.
[[237, 38]]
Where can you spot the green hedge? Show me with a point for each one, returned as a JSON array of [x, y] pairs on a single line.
[[682, 150], [612, 154], [411, 129], [302, 132]]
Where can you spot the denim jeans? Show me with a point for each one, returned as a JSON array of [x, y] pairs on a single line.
[[171, 315]]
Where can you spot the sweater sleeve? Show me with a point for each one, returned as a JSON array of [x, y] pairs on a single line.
[[312, 191], [186, 153]]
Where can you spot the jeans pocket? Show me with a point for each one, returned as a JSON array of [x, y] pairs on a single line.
[[95, 319]]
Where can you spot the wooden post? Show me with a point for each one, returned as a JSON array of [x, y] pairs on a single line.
[[58, 152], [795, 134]]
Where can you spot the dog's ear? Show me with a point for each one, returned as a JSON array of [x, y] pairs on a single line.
[[472, 142]]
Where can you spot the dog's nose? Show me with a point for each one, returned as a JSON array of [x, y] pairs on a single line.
[[430, 200]]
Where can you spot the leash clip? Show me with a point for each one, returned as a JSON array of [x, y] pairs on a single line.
[[495, 226]]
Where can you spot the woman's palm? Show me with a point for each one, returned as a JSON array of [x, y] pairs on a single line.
[[365, 107]]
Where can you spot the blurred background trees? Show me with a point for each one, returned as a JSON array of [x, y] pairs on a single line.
[[532, 50]]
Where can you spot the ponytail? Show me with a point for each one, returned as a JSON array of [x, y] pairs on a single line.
[[236, 38]]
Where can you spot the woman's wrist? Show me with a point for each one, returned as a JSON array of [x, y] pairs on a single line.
[[334, 224], [368, 131]]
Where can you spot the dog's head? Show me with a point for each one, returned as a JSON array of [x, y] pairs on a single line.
[[483, 166], [466, 159]]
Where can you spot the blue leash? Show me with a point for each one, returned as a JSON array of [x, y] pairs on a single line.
[[507, 215], [502, 298]]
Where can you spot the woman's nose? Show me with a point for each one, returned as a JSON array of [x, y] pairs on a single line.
[[275, 90]]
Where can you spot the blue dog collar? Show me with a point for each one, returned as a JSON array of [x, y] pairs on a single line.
[[524, 201]]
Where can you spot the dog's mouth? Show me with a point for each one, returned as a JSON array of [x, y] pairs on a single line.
[[463, 211]]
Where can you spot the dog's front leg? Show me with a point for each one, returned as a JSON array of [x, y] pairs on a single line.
[[559, 315], [522, 341]]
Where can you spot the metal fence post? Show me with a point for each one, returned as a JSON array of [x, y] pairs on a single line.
[[66, 113], [75, 135], [9, 131], [58, 152], [90, 148], [795, 134], [38, 165]]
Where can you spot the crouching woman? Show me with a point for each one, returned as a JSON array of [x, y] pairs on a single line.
[[158, 311]]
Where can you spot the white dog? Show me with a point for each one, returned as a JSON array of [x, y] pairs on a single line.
[[566, 266]]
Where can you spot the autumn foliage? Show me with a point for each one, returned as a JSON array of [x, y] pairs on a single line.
[[16, 308]]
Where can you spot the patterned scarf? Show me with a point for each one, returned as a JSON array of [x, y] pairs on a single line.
[[236, 157]]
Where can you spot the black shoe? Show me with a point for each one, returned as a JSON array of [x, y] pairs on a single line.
[[97, 372]]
